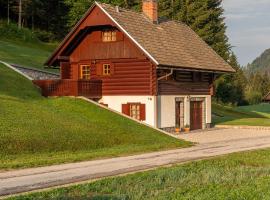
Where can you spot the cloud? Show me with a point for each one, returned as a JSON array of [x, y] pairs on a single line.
[[248, 24]]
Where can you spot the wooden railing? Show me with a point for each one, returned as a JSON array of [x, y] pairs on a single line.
[[69, 87]]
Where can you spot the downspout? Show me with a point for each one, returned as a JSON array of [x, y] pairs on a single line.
[[165, 76]]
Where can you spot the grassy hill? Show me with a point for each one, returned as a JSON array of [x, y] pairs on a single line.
[[23, 48], [37, 131], [255, 115]]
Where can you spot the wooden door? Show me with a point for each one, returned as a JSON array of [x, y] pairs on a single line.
[[177, 114], [196, 113]]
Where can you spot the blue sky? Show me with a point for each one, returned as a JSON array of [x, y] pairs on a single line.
[[248, 29]]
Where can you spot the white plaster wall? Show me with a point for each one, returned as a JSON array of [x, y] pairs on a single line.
[[166, 109], [115, 103]]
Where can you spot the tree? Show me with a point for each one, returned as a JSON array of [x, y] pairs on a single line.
[[230, 88]]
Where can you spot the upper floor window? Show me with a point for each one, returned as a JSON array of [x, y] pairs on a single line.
[[109, 36], [106, 69], [85, 72]]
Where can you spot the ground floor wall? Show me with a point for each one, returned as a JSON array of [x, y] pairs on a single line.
[[166, 110], [117, 102], [160, 111]]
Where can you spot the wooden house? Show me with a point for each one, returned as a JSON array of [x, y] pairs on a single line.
[[159, 72]]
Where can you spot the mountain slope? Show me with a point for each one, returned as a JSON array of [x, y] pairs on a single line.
[[261, 64]]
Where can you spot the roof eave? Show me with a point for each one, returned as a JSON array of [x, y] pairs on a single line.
[[194, 69]]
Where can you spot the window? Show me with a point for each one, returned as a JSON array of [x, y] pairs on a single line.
[[85, 72], [135, 111], [109, 36], [106, 69]]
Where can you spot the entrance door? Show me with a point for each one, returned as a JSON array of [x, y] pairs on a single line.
[[196, 115], [177, 114]]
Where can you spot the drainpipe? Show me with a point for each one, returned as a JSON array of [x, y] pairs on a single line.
[[165, 76]]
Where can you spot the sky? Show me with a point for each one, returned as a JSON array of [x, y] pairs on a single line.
[[248, 23]]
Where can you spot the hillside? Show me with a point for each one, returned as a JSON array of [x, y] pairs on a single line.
[[36, 131], [23, 48], [261, 64], [254, 115]]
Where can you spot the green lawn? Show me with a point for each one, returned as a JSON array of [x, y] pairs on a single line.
[[243, 176], [36, 131], [25, 53], [255, 115]]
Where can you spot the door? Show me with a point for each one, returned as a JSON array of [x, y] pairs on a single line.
[[177, 114], [196, 115]]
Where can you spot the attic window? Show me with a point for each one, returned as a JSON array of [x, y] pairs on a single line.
[[109, 36]]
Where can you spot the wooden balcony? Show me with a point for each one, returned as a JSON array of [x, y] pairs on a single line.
[[68, 87]]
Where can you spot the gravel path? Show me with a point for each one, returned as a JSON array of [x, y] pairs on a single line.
[[36, 74]]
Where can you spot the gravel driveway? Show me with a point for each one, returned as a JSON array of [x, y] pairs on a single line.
[[219, 135]]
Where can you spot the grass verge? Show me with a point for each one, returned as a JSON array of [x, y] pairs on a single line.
[[236, 176]]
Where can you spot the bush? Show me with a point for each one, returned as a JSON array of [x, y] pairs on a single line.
[[44, 36], [11, 31], [253, 97]]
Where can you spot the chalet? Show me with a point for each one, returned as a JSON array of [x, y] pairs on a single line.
[[159, 72]]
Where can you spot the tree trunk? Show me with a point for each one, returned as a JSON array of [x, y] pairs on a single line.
[[20, 15]]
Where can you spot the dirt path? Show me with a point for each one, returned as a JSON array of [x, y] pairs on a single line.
[[13, 182]]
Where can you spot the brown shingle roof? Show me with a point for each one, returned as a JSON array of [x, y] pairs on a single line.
[[169, 43]]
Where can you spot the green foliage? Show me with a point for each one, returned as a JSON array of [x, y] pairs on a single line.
[[12, 32], [37, 131], [237, 176], [44, 36], [230, 87]]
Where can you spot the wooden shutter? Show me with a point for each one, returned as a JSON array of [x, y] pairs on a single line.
[[112, 68], [126, 109], [99, 69], [142, 112]]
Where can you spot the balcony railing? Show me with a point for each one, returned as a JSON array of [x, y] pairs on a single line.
[[69, 87]]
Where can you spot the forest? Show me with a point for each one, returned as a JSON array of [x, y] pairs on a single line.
[[51, 20]]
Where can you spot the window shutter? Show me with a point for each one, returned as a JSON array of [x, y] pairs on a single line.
[[99, 69], [112, 68], [142, 112], [126, 109]]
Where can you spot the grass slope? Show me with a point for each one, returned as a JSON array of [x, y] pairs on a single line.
[[21, 46], [37, 131], [236, 176], [25, 54], [255, 115]]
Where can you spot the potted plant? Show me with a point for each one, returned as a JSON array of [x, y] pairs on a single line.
[[177, 129], [187, 128]]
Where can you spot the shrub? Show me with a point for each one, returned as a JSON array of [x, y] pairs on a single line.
[[11, 31], [44, 36]]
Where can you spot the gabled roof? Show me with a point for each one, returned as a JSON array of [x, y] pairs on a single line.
[[167, 43]]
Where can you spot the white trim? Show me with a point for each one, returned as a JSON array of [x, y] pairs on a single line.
[[16, 70], [148, 54]]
